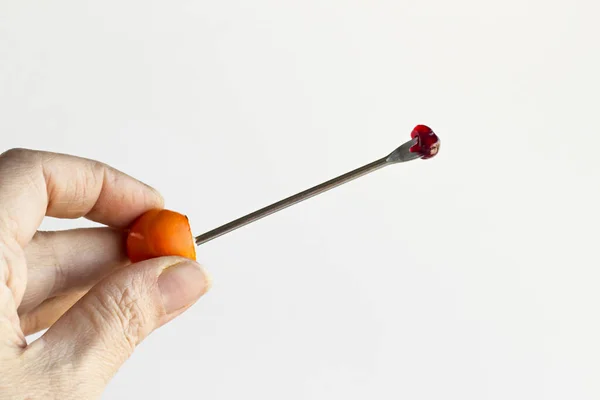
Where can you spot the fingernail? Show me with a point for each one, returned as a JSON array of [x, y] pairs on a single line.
[[182, 284]]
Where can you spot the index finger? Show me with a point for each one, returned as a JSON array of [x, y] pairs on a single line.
[[34, 184]]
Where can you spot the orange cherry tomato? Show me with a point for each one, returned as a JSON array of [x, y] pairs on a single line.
[[158, 233]]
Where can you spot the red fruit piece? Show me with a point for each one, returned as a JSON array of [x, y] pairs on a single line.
[[428, 145]]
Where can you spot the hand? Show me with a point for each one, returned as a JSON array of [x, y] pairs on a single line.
[[78, 282]]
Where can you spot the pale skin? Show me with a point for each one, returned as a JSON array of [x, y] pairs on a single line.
[[78, 283]]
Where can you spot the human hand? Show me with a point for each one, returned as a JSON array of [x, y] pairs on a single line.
[[79, 283]]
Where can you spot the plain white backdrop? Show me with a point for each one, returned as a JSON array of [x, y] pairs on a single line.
[[473, 275]]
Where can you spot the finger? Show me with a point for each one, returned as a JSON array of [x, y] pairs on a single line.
[[36, 183], [47, 313], [103, 328], [71, 260]]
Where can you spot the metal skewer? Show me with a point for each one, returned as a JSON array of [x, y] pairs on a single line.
[[401, 154]]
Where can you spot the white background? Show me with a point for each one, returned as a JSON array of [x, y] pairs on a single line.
[[473, 275]]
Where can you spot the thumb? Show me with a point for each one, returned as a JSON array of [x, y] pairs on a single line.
[[99, 333]]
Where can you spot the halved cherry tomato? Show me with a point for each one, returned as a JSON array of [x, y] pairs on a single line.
[[158, 233]]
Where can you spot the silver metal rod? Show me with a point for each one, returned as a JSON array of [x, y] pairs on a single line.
[[401, 154], [280, 205]]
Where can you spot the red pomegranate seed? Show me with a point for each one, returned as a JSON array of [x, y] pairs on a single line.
[[428, 145]]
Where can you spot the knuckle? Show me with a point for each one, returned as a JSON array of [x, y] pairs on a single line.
[[12, 262], [120, 309], [20, 160], [82, 191], [88, 186], [17, 153], [81, 187], [44, 244]]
